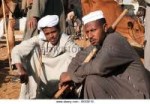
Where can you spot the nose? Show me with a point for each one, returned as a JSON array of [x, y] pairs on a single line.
[[51, 36], [90, 35]]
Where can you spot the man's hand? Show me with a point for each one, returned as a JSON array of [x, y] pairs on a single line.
[[22, 73], [70, 15], [65, 77], [32, 23]]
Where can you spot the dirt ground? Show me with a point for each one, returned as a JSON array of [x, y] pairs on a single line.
[[9, 85]]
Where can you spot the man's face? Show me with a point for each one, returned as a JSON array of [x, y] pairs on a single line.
[[95, 32], [51, 34]]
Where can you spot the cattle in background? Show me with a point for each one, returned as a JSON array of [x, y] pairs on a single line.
[[129, 27], [9, 3]]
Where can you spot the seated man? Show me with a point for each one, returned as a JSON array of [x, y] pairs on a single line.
[[114, 72], [41, 59]]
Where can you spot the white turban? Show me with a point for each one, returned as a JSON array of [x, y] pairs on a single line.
[[92, 16], [47, 21]]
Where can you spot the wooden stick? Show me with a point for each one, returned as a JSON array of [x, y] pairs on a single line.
[[10, 30], [119, 18], [91, 54], [87, 59], [10, 33], [60, 92], [7, 43]]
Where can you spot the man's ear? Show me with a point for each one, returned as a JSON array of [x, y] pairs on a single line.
[[105, 27]]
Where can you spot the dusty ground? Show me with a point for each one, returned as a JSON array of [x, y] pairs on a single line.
[[9, 87]]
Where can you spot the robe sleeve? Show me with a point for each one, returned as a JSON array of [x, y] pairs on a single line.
[[23, 49], [115, 52]]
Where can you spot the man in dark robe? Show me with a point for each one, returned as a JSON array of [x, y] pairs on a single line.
[[116, 70]]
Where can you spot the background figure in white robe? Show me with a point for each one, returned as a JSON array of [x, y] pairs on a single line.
[[147, 36], [50, 54]]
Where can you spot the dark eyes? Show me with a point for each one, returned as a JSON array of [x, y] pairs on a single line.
[[92, 30], [53, 32]]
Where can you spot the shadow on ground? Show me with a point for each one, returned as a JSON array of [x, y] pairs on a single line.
[[4, 70]]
